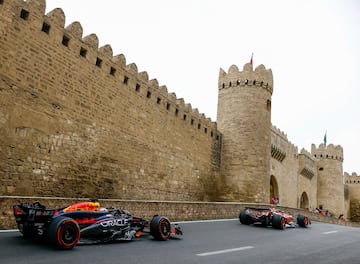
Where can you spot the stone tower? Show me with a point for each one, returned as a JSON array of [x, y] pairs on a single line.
[[244, 119], [330, 189]]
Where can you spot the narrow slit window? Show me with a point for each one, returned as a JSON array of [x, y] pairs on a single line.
[[1, 2], [83, 52], [126, 80], [24, 14], [112, 71], [184, 117], [205, 130], [199, 126], [98, 62], [158, 101], [137, 87], [192, 121], [176, 111], [45, 28], [148, 94], [65, 41], [167, 106]]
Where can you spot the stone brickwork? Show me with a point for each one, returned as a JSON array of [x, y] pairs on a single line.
[[244, 117], [352, 193], [330, 177], [77, 121]]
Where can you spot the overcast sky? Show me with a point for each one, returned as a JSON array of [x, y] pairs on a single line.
[[311, 46]]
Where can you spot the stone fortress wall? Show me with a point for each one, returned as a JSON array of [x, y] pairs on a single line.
[[77, 121]]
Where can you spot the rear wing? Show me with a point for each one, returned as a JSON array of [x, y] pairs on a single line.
[[32, 212]]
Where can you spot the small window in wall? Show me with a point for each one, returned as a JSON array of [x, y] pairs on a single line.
[[321, 169], [83, 52], [137, 87], [246, 81], [65, 41], [199, 126], [148, 94], [229, 84], [112, 71], [24, 14], [158, 100], [254, 82], [184, 117], [98, 62], [268, 105], [176, 111], [167, 106], [205, 130], [45, 28], [192, 122], [237, 82], [1, 2], [211, 134], [126, 80], [223, 86]]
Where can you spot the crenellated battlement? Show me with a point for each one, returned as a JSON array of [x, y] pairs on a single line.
[[351, 178], [99, 60], [327, 152], [261, 77], [279, 138]]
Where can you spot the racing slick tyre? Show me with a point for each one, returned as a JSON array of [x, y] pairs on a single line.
[[244, 218], [160, 228], [278, 222], [303, 221], [64, 232]]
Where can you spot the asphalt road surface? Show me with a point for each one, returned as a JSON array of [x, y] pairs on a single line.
[[207, 242]]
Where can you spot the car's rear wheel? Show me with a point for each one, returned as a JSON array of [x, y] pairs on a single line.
[[160, 228], [244, 218], [303, 220], [278, 222], [64, 232]]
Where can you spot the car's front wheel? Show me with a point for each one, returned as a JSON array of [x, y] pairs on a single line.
[[303, 221], [160, 228]]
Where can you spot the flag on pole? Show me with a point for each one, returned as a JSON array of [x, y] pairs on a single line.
[[325, 139], [251, 59]]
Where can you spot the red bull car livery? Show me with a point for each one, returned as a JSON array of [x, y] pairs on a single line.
[[87, 223]]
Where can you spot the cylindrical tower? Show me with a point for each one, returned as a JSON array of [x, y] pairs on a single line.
[[244, 119], [330, 186]]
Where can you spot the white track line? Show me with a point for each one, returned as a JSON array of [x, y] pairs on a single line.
[[223, 251], [330, 232]]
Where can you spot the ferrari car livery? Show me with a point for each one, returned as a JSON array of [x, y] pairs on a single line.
[[271, 216], [87, 222]]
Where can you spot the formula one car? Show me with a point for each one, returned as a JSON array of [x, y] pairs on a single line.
[[271, 217], [87, 223]]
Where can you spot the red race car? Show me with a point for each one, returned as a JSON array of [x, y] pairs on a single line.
[[271, 217]]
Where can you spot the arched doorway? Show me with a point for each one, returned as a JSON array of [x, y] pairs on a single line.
[[274, 189], [304, 201]]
